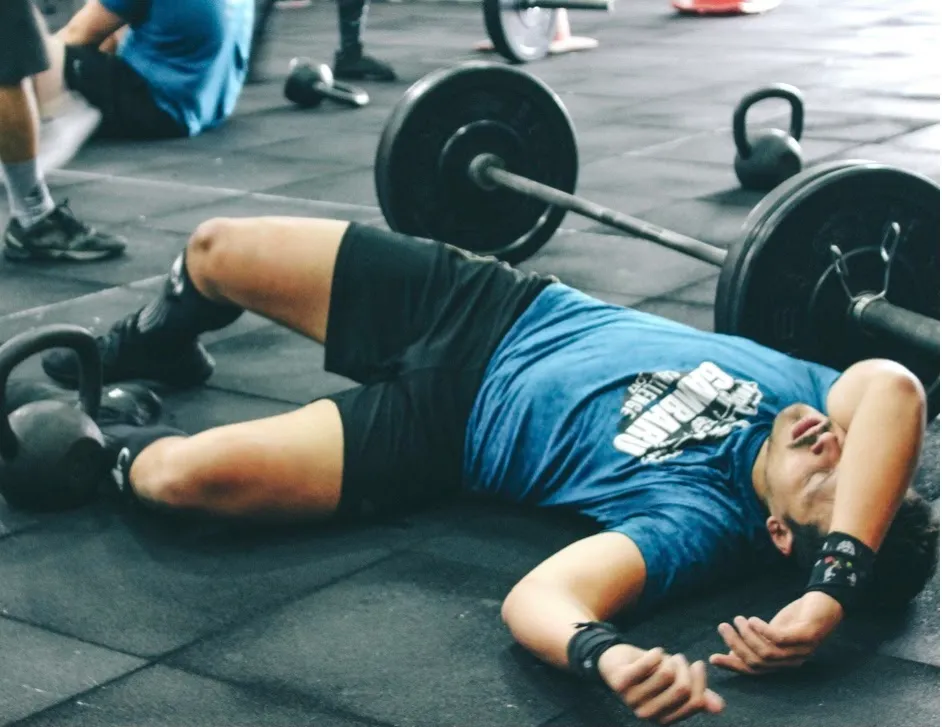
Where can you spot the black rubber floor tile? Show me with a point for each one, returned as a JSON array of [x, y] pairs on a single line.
[[119, 157], [240, 171], [692, 305], [414, 640], [24, 286], [616, 139], [116, 200], [261, 205], [855, 128], [12, 521], [162, 697], [178, 579], [927, 477], [358, 151], [706, 220], [274, 362], [356, 187], [915, 636], [40, 669], [928, 138], [629, 266], [717, 147], [625, 198], [913, 160], [670, 179]]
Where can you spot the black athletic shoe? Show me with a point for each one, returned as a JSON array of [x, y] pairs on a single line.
[[127, 355], [60, 236], [360, 67]]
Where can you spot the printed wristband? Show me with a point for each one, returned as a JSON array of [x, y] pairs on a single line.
[[587, 646], [842, 569]]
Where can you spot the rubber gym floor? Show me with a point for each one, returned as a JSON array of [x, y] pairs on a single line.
[[107, 618]]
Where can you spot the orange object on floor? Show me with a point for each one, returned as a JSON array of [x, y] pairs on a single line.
[[724, 7]]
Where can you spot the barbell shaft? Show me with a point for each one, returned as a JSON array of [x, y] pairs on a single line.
[[486, 171], [605, 5], [879, 316], [872, 313]]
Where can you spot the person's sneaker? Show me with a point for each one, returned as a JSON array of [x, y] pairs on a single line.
[[60, 236], [127, 355], [63, 134], [360, 67]]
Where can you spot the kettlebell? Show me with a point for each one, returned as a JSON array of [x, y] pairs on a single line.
[[51, 452], [308, 85], [767, 158]]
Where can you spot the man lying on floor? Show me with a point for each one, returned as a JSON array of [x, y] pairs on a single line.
[[699, 455]]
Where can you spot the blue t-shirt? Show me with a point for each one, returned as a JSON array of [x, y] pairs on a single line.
[[192, 53], [648, 426]]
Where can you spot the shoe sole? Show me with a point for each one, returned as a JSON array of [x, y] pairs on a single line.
[[71, 381], [14, 251]]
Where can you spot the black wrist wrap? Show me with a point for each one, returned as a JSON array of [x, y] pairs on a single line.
[[842, 569], [590, 642]]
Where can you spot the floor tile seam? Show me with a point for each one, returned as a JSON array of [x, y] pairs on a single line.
[[22, 620], [26, 312], [253, 688], [269, 610]]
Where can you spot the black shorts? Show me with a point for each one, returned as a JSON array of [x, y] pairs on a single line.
[[124, 98], [22, 49], [415, 323]]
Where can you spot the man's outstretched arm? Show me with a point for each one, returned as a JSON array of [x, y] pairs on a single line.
[[590, 581], [882, 408]]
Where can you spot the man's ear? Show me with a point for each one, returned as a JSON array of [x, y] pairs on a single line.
[[781, 534]]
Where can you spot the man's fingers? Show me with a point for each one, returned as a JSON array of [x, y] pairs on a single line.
[[674, 696], [656, 683], [637, 671], [739, 647], [766, 650], [732, 662], [696, 701]]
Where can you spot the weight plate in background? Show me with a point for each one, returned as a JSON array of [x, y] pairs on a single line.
[[780, 286], [519, 35], [444, 121]]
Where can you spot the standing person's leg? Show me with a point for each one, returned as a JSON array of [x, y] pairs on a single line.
[[38, 228], [350, 63]]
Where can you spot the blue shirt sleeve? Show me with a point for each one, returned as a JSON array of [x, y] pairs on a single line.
[[683, 551]]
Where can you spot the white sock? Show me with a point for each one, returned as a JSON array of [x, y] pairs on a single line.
[[29, 196]]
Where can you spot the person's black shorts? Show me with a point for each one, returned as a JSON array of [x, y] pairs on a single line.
[[124, 98], [22, 50], [415, 323]]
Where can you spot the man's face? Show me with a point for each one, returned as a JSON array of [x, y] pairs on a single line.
[[804, 451]]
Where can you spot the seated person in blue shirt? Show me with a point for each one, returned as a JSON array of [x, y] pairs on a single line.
[[701, 456], [177, 70]]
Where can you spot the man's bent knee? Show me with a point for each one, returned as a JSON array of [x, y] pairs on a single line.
[[208, 256]]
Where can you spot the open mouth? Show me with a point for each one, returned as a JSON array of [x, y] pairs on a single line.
[[807, 428]]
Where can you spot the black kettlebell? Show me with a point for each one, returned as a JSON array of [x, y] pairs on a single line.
[[767, 158], [308, 85], [52, 452]]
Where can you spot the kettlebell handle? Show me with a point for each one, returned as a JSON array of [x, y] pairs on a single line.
[[344, 93], [22, 346], [778, 90]]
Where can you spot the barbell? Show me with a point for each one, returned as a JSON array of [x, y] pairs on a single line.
[[522, 30], [838, 264]]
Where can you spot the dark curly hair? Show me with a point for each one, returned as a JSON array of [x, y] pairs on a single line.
[[907, 559]]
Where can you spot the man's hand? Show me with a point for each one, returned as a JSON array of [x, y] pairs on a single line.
[[658, 686], [787, 641]]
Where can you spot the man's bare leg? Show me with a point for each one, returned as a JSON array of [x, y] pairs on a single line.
[[289, 465], [279, 267]]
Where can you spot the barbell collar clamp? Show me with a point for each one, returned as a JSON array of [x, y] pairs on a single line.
[[877, 315]]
